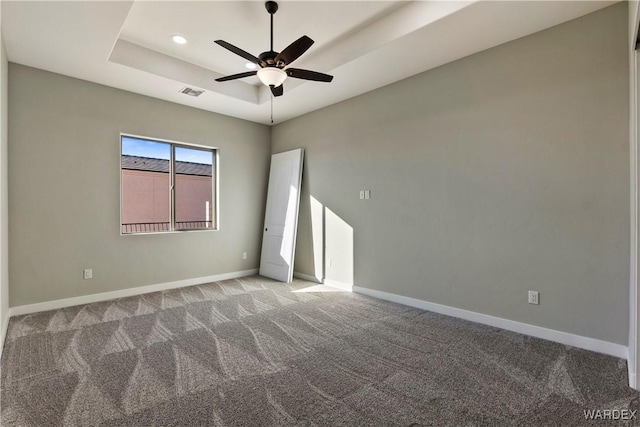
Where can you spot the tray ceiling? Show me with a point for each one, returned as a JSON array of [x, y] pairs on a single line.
[[363, 44]]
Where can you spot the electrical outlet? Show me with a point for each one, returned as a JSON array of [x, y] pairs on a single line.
[[534, 297], [88, 273], [244, 255]]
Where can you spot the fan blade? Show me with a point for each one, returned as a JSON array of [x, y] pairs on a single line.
[[239, 52], [236, 76], [308, 75], [277, 91], [294, 50]]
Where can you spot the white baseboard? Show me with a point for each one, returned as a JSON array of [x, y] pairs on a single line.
[[307, 277], [105, 296], [632, 379], [566, 338], [340, 285]]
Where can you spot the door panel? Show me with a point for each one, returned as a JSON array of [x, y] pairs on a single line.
[[274, 243]]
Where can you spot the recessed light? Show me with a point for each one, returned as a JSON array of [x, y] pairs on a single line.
[[178, 39], [251, 65]]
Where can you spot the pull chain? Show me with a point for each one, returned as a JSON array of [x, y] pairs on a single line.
[[271, 108]]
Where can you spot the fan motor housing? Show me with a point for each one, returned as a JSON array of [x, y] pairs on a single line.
[[269, 57]]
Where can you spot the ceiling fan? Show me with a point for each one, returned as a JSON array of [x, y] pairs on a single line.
[[272, 64]]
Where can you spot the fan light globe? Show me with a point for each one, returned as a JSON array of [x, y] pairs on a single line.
[[272, 76]]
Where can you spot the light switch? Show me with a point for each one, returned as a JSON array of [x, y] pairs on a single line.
[[361, 194], [367, 194]]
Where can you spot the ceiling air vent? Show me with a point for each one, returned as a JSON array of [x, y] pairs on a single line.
[[191, 91]]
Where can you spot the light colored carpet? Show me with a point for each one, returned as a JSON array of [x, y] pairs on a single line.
[[254, 352]]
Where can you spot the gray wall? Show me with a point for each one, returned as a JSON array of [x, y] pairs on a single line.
[[502, 172], [4, 193], [64, 195]]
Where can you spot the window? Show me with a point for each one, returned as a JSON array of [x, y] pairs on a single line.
[[166, 186]]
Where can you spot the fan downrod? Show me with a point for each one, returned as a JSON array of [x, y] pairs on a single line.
[[272, 8]]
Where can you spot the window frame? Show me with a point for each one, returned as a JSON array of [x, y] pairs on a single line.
[[215, 176]]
